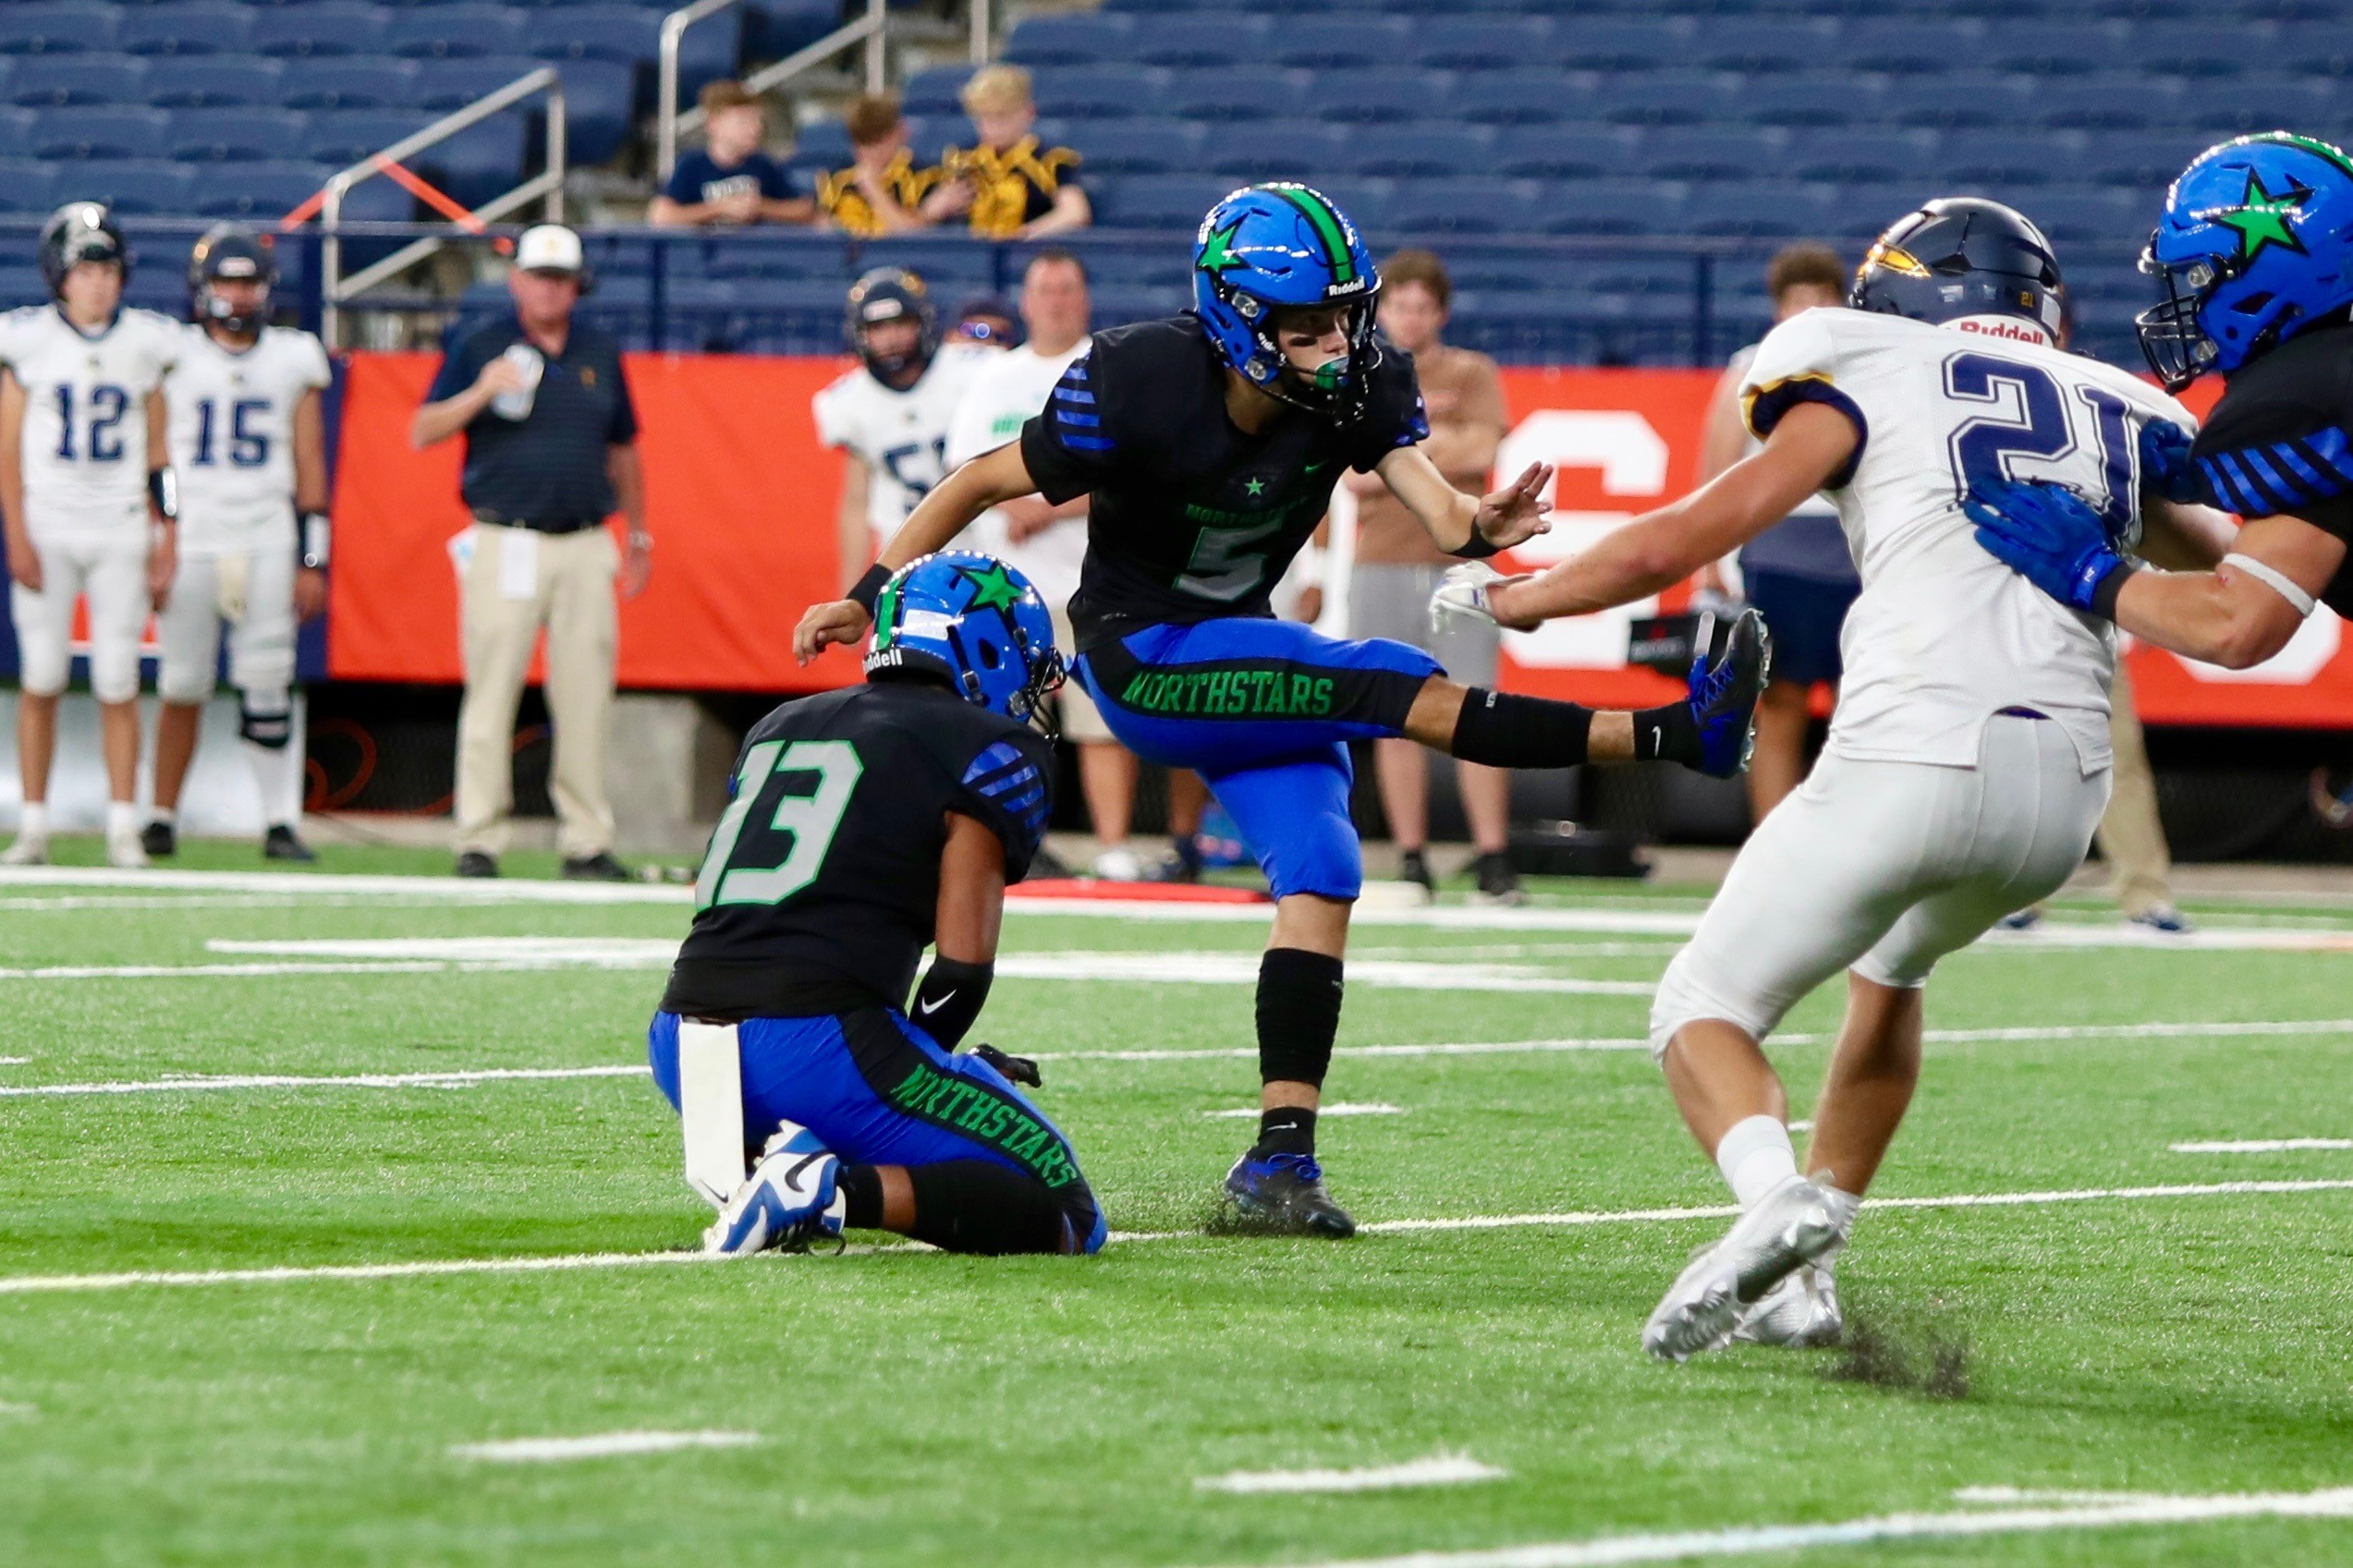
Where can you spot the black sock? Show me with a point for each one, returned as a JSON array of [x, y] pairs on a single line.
[[1299, 1014], [979, 1206], [1504, 731], [1666, 734], [1188, 849], [1286, 1129], [861, 1190]]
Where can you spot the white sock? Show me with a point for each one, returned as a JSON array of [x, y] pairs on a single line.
[[1755, 1156], [122, 819], [166, 815], [277, 772], [33, 820]]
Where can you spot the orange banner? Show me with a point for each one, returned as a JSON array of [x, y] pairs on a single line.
[[742, 502]]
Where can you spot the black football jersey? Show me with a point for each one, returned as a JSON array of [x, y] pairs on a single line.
[[2277, 444], [1191, 518], [818, 892]]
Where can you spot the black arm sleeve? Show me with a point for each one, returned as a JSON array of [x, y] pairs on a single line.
[[948, 1001]]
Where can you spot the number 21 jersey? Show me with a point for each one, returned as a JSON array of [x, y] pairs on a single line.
[[1943, 636], [84, 441], [233, 438]]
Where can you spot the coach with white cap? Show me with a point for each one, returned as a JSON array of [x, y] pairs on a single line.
[[551, 455]]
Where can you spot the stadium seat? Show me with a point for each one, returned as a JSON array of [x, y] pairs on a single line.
[[140, 186], [1098, 92], [1841, 157], [1239, 94], [824, 144], [323, 26], [2317, 101], [16, 132], [55, 80], [2105, 103], [1862, 209], [593, 32], [453, 84], [27, 185], [1820, 99], [1907, 46], [1416, 150], [1761, 210], [1753, 44], [934, 92], [235, 135], [1643, 206], [2004, 157], [2206, 49], [343, 137], [362, 82], [463, 31], [1377, 96], [1565, 152], [2319, 49], [1192, 43], [1079, 37], [1162, 201], [2088, 215], [1521, 97], [108, 132], [774, 29], [1341, 42], [2052, 47], [1252, 150], [262, 192], [2144, 161], [200, 26], [1666, 98], [1623, 44], [1140, 147], [1366, 200], [64, 26], [1482, 43], [218, 81], [1711, 152], [485, 160], [1463, 206], [601, 76], [1964, 98]]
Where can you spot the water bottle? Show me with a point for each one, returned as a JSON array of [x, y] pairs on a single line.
[[517, 405]]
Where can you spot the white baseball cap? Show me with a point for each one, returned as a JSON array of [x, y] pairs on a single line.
[[549, 247]]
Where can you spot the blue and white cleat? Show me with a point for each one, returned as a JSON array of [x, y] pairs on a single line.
[[1723, 697], [791, 1198], [1283, 1195]]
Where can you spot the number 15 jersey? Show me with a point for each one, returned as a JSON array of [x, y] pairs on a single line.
[[1943, 636], [233, 438], [84, 441]]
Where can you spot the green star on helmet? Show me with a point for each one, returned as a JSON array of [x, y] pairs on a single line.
[[993, 589], [1218, 254], [2261, 219]]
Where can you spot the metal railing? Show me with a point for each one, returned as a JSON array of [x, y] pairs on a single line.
[[335, 288]]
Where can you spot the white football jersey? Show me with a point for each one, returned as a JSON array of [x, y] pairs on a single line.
[[1008, 392], [900, 436], [84, 441], [1943, 635], [233, 438]]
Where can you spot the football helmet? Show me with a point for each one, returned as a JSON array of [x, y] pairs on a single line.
[[1961, 256], [229, 251], [2256, 244], [1268, 247], [974, 621], [79, 232], [891, 294]]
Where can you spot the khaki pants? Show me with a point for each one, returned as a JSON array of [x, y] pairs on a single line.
[[2129, 836], [571, 593]]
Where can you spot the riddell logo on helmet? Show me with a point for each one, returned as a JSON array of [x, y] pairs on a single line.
[[2001, 326]]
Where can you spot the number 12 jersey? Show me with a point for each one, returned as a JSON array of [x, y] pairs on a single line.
[[84, 439]]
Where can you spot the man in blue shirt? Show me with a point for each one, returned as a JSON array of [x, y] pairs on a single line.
[[730, 181]]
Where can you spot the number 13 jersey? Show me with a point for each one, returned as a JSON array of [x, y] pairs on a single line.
[[233, 438], [84, 440], [1943, 636]]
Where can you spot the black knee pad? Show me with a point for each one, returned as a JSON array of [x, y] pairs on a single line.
[[271, 730]]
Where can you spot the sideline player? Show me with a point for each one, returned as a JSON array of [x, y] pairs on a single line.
[[1210, 444], [1968, 759], [868, 823], [249, 444], [890, 416], [90, 503]]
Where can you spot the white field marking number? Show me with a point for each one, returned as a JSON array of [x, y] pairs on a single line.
[[1438, 1470], [600, 1445]]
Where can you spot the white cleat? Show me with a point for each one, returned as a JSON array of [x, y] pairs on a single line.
[[26, 851], [123, 852], [1119, 866], [790, 1200], [1800, 1313], [1792, 1225]]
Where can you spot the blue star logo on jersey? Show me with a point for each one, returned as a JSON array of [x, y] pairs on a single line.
[[2261, 218]]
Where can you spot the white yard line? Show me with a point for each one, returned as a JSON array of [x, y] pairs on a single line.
[[2259, 1145], [602, 1445], [214, 971], [1438, 1470], [1341, 1107], [455, 1079], [454, 890], [1683, 1545], [2013, 1495], [29, 1283]]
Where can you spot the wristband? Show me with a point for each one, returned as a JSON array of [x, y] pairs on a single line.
[[869, 589], [2279, 582], [2103, 594], [1478, 547], [317, 537], [162, 493], [947, 1003]]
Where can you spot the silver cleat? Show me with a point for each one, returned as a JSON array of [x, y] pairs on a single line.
[[1795, 1224], [1800, 1313]]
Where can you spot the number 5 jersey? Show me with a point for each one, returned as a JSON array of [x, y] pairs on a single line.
[[84, 440], [232, 438], [1943, 636]]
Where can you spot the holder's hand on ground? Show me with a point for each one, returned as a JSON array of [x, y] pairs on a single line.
[[1017, 1069], [844, 621], [1515, 513], [2047, 534]]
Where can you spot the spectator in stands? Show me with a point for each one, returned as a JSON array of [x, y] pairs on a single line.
[[881, 192], [730, 180], [551, 454], [1005, 186], [1397, 568], [1798, 572]]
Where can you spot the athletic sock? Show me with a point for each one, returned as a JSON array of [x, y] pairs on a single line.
[[122, 819], [1666, 734], [1505, 731], [979, 1206], [861, 1190], [277, 774], [1286, 1129], [166, 815], [33, 820], [1299, 1014], [1755, 1158]]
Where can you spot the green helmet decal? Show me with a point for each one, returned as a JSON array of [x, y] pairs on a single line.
[[1328, 231]]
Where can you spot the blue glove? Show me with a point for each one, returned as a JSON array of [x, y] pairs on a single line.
[[2165, 465], [2050, 536]]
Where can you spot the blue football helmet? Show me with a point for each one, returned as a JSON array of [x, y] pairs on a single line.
[[975, 622], [1267, 247], [1963, 256], [2255, 245], [890, 293]]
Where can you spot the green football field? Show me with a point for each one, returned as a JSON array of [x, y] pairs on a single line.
[[316, 1184]]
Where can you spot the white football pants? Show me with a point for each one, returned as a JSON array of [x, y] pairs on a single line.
[[254, 593], [112, 574], [1883, 868]]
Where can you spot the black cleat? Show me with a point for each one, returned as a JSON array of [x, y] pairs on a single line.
[[159, 838], [1413, 866], [598, 868], [1498, 884], [474, 863], [280, 845], [1283, 1195]]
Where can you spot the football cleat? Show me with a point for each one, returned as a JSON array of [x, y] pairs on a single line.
[[124, 853], [1283, 1195], [282, 843], [1724, 697], [1800, 1313], [159, 838], [792, 1197], [2163, 918], [2024, 919], [1413, 871], [1792, 1225], [1463, 592], [1498, 884], [27, 850]]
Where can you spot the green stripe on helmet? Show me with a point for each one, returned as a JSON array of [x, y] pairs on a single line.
[[1325, 221], [2309, 144], [887, 614]]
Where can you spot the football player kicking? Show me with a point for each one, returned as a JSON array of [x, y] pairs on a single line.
[[1210, 444], [249, 443], [1969, 759], [867, 824]]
